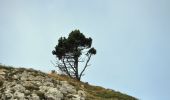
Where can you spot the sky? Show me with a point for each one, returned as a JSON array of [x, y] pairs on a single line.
[[132, 39]]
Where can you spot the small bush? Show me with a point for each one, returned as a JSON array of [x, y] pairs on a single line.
[[41, 95], [1, 83], [31, 88]]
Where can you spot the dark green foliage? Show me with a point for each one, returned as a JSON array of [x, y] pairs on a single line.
[[74, 44], [52, 71], [31, 87], [1, 83], [41, 95], [92, 51], [6, 67], [69, 51]]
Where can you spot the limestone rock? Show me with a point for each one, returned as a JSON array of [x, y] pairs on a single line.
[[67, 88], [28, 84], [19, 95]]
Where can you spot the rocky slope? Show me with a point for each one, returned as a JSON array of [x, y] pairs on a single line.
[[29, 84]]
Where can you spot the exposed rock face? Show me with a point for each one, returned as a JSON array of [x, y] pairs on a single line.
[[28, 84]]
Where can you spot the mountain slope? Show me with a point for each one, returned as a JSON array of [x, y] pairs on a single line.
[[29, 84]]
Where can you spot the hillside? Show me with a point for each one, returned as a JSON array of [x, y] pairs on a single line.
[[29, 84]]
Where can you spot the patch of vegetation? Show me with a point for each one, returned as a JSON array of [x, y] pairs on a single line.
[[93, 92], [31, 88], [41, 95], [6, 67], [1, 83]]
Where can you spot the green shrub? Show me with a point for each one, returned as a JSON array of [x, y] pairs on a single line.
[[1, 83]]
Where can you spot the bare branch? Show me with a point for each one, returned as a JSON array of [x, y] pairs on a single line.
[[71, 66], [85, 65], [52, 63], [66, 70], [58, 65]]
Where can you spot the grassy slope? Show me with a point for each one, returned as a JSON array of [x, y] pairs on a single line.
[[92, 92]]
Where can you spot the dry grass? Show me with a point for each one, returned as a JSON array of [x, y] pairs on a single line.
[[93, 92]]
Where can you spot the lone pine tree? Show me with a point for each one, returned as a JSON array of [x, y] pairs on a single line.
[[71, 51]]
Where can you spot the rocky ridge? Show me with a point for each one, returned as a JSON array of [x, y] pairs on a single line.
[[29, 84]]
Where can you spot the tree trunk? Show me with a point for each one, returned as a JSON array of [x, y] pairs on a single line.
[[76, 68]]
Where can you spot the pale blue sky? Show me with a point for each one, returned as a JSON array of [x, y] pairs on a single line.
[[131, 37]]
